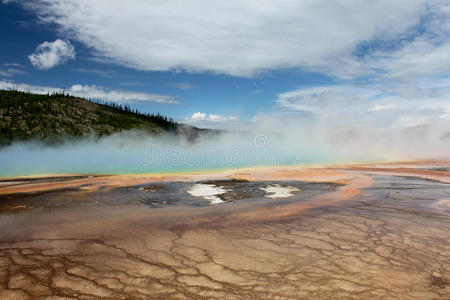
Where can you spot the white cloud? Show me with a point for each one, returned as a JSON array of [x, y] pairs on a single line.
[[13, 65], [202, 119], [246, 37], [131, 83], [98, 72], [201, 116], [10, 72], [117, 95], [50, 54], [211, 117], [345, 104], [380, 107], [214, 117], [92, 92], [324, 98], [256, 92], [198, 115], [184, 86]]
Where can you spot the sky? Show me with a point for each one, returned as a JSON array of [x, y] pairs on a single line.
[[232, 64]]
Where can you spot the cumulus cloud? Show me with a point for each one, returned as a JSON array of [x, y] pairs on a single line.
[[211, 117], [198, 115], [202, 119], [214, 117], [50, 54], [368, 106], [92, 92], [244, 38]]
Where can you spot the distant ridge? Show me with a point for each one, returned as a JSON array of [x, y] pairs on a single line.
[[53, 118]]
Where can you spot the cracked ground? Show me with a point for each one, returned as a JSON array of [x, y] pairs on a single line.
[[388, 240]]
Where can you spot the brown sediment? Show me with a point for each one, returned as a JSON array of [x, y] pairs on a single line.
[[443, 203], [401, 171], [322, 174], [352, 187], [31, 187], [111, 181], [361, 241], [304, 174], [108, 181]]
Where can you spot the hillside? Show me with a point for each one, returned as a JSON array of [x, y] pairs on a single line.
[[51, 118]]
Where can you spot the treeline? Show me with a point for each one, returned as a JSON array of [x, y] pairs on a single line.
[[161, 120], [37, 102], [56, 116]]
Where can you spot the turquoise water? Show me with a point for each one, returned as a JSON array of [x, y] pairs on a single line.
[[127, 155]]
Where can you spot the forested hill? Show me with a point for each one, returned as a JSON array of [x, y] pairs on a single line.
[[52, 118]]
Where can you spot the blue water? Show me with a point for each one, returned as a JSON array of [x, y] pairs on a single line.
[[137, 154]]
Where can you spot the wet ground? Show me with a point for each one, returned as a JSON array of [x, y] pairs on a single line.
[[155, 194], [386, 237]]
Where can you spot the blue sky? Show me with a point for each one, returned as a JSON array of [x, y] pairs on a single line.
[[217, 64]]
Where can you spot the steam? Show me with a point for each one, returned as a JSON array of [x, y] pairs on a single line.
[[270, 141]]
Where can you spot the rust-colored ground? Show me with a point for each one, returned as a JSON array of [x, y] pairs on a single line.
[[383, 234]]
